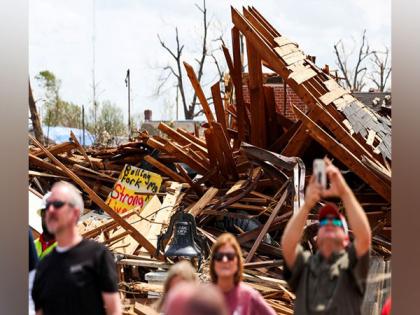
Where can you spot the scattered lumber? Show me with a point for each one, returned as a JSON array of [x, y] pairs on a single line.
[[245, 174]]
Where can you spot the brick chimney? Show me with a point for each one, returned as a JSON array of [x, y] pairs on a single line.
[[147, 115]]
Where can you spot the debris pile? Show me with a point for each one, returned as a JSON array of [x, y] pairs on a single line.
[[245, 173]]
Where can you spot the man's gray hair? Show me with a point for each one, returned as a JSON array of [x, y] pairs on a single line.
[[75, 196]]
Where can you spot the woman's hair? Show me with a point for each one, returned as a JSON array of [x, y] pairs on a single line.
[[227, 239], [182, 269]]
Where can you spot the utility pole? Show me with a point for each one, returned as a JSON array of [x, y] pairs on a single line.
[[83, 124], [93, 66], [127, 84]]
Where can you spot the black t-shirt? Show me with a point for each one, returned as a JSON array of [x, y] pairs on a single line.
[[72, 282]]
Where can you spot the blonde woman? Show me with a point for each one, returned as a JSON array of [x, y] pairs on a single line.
[[182, 271], [226, 268]]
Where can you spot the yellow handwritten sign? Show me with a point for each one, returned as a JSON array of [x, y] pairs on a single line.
[[133, 180]]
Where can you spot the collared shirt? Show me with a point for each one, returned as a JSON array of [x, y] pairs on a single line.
[[333, 286], [44, 247]]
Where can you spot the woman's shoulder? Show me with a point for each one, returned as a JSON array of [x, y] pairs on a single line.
[[246, 288]]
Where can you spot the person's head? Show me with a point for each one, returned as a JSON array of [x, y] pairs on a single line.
[[333, 230], [195, 299], [226, 259], [182, 271], [63, 207]]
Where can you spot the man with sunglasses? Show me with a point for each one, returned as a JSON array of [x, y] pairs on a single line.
[[45, 243], [332, 280], [78, 276]]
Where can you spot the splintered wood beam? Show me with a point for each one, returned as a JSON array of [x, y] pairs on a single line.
[[226, 149], [266, 52], [192, 137], [228, 59], [180, 138], [299, 141], [266, 226], [237, 81], [198, 90], [345, 156], [198, 207], [164, 169], [40, 163], [81, 149], [215, 156], [260, 27], [256, 92], [185, 157], [56, 149], [218, 106], [95, 198]]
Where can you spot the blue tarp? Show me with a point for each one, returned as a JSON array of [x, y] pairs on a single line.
[[62, 134]]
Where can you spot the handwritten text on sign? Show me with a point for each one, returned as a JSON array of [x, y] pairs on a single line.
[[133, 180]]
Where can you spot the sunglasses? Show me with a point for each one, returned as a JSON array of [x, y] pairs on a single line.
[[219, 256], [56, 204], [335, 221]]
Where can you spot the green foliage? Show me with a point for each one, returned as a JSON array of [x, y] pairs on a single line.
[[57, 112], [63, 114], [109, 122]]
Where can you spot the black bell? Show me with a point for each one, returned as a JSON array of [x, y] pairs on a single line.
[[183, 228]]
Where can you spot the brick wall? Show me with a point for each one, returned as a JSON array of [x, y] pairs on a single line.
[[292, 98]]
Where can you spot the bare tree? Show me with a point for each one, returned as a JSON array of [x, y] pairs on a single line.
[[176, 71], [353, 75], [36, 123], [382, 69]]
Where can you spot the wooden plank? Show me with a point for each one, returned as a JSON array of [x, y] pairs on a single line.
[[164, 169], [257, 131], [237, 81], [218, 106], [38, 162], [224, 145], [264, 33], [81, 149], [332, 96], [283, 40], [142, 309], [264, 22], [345, 156], [215, 154], [198, 90], [148, 215], [286, 49], [294, 57], [184, 157], [192, 137], [180, 138], [198, 207], [331, 84], [94, 197], [266, 227], [302, 75], [164, 214], [228, 58], [56, 149]]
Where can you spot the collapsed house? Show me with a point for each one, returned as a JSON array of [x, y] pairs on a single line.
[[244, 171]]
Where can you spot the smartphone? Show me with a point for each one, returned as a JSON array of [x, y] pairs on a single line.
[[319, 172]]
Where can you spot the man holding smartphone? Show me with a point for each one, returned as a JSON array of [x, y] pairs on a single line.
[[333, 280]]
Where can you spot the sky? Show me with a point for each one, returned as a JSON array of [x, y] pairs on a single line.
[[123, 34]]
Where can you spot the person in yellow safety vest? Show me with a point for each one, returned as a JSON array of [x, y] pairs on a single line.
[[45, 243]]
